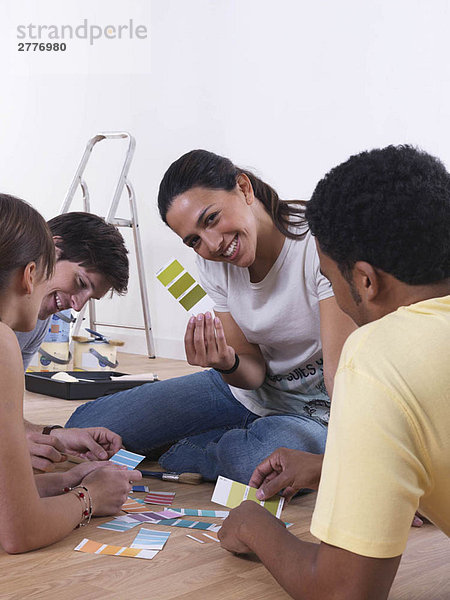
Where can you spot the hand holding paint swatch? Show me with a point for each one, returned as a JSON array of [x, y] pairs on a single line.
[[195, 300], [183, 287], [206, 345], [231, 493]]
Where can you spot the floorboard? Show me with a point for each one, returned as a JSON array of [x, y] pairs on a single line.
[[185, 569]]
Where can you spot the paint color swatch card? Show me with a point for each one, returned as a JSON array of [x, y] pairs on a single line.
[[147, 517], [127, 518], [150, 516], [190, 524], [150, 539], [140, 488], [134, 506], [231, 493], [196, 512], [204, 538], [92, 547], [127, 459], [167, 513], [118, 525], [156, 519], [183, 287], [161, 498]]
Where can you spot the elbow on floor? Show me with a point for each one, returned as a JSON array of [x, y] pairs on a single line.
[[19, 544]]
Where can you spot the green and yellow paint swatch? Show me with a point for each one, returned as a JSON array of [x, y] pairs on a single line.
[[183, 287], [231, 493]]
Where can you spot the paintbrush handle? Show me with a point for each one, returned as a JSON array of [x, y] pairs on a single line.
[[191, 478], [157, 474], [175, 477]]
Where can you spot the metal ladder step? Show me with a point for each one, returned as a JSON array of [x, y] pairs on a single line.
[[133, 223]]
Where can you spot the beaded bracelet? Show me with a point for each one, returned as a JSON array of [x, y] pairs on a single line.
[[86, 500]]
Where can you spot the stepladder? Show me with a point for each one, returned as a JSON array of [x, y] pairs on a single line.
[[79, 183]]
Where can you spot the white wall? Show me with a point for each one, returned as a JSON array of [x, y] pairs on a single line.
[[288, 88]]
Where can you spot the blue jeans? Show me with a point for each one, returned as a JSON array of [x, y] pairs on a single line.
[[210, 431]]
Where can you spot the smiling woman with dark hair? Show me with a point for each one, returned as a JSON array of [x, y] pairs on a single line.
[[273, 345]]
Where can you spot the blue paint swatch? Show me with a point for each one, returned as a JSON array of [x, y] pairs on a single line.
[[190, 524], [139, 488], [127, 459], [117, 525], [150, 539]]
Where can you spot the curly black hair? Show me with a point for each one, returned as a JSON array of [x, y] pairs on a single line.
[[389, 207]]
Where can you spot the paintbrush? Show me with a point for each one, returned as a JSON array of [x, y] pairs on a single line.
[[191, 478]]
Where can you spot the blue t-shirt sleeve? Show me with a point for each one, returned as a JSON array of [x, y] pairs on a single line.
[[30, 341]]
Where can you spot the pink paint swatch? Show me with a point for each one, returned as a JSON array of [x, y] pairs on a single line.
[[161, 498]]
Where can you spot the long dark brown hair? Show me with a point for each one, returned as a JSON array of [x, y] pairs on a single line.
[[200, 168], [24, 238]]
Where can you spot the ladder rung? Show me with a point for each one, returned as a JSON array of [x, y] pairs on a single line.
[[122, 222], [123, 183], [120, 326]]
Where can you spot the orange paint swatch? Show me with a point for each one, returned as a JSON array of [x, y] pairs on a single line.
[[92, 547], [132, 506]]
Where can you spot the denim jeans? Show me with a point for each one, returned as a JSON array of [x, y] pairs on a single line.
[[210, 431]]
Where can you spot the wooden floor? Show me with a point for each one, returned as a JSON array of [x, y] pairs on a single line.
[[185, 569]]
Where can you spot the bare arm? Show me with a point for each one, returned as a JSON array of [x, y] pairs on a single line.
[[287, 471], [305, 570], [32, 427], [53, 484], [213, 343], [26, 520], [335, 327]]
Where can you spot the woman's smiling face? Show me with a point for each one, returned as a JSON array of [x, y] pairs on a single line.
[[219, 225]]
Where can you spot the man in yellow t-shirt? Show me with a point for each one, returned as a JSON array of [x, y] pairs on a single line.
[[382, 227]]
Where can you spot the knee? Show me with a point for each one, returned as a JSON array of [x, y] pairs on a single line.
[[238, 453], [75, 419]]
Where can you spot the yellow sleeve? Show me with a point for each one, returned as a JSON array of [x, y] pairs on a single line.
[[374, 470]]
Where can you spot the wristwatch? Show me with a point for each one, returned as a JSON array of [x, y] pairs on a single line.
[[48, 428]]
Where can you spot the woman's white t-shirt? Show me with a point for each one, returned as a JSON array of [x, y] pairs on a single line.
[[281, 315]]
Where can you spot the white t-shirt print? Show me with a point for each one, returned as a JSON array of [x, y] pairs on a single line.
[[281, 315]]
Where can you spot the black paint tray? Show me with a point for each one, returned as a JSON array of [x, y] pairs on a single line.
[[102, 383]]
